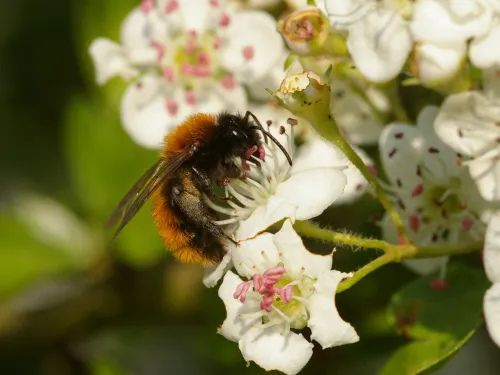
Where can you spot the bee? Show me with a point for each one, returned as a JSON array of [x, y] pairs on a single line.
[[199, 154]]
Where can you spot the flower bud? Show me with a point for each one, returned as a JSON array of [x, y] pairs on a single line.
[[305, 30], [304, 95]]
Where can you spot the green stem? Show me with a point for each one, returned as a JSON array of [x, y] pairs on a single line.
[[329, 130], [393, 253], [395, 104], [364, 271], [310, 230]]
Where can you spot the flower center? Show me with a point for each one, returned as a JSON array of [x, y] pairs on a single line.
[[260, 178], [281, 298], [442, 201]]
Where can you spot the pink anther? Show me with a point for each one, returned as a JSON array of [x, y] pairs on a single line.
[[171, 106], [251, 151], [266, 303], [191, 46], [190, 98], [203, 58], [168, 74], [419, 189], [245, 165], [214, 3], [275, 271], [248, 52], [467, 224], [228, 82], [262, 152], [202, 71], [160, 49], [241, 291], [414, 223], [171, 6], [258, 282], [147, 6], [292, 121], [286, 293], [224, 20], [282, 130], [217, 43]]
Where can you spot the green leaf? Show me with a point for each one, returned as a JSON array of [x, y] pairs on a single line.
[[440, 320], [24, 259], [103, 164], [419, 356]]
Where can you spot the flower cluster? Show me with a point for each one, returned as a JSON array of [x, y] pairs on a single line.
[[346, 61], [184, 57]]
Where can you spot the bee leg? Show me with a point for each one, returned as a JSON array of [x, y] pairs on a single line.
[[204, 183], [192, 206]]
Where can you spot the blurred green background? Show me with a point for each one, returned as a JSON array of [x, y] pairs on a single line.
[[72, 304]]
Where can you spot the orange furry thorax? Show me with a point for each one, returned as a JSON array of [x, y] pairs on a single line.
[[196, 129]]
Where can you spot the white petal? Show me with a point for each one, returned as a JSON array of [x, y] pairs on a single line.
[[313, 191], [144, 114], [466, 122], [212, 275], [198, 15], [439, 63], [379, 44], [433, 22], [255, 31], [318, 153], [134, 30], [271, 80], [234, 327], [327, 327], [491, 251], [486, 174], [356, 119], [272, 350], [485, 52], [442, 164], [255, 255], [217, 99], [296, 258], [491, 306], [400, 150], [275, 209], [344, 13], [109, 61]]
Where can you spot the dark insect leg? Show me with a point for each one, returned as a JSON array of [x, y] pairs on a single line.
[[194, 209]]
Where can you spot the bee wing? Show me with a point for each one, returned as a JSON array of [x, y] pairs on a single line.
[[137, 196]]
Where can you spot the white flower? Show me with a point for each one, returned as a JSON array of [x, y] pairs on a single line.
[[448, 26], [276, 190], [378, 40], [357, 121], [288, 288], [491, 258], [449, 21], [189, 56], [434, 64], [469, 123], [436, 197]]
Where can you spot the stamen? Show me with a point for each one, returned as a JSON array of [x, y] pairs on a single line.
[[419, 189], [248, 53], [224, 20], [147, 6], [228, 82], [168, 74], [171, 6], [171, 106], [241, 291], [467, 224], [262, 153], [251, 151], [242, 199], [275, 271]]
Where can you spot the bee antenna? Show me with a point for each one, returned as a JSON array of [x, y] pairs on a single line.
[[276, 142]]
